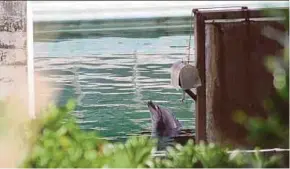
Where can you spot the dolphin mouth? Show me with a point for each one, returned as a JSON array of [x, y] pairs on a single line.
[[151, 105], [154, 111]]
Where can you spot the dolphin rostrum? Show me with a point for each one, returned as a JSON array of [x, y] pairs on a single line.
[[164, 123]]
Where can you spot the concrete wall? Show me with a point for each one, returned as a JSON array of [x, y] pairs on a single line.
[[13, 53]]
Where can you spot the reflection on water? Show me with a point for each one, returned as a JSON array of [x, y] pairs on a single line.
[[113, 78]]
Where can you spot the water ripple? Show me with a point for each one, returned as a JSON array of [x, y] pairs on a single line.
[[113, 84]]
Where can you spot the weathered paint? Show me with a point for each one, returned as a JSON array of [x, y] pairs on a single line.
[[199, 30], [236, 78], [13, 74]]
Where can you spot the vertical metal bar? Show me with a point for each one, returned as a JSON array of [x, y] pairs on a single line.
[[199, 35]]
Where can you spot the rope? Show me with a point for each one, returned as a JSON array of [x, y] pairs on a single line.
[[189, 44], [190, 34]]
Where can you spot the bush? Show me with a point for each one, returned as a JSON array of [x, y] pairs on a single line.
[[63, 144], [59, 142]]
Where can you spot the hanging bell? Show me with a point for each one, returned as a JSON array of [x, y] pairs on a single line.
[[185, 76]]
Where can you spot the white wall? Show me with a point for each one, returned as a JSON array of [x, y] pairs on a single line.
[[13, 53]]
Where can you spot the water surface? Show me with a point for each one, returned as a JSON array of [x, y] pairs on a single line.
[[113, 78]]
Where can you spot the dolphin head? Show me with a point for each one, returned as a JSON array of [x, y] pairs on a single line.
[[164, 122], [156, 117], [154, 111]]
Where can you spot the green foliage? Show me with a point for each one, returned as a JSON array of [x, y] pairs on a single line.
[[281, 13], [179, 156], [62, 144], [212, 156], [257, 160], [195, 156], [135, 153]]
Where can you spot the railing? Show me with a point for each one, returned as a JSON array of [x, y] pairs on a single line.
[[274, 150]]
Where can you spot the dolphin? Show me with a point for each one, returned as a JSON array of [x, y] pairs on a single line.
[[165, 126]]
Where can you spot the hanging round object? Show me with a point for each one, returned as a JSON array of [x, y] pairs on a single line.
[[185, 76]]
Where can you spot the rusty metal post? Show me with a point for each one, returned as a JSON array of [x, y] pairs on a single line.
[[199, 37]]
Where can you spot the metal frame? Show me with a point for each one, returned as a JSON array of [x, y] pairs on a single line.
[[201, 17]]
